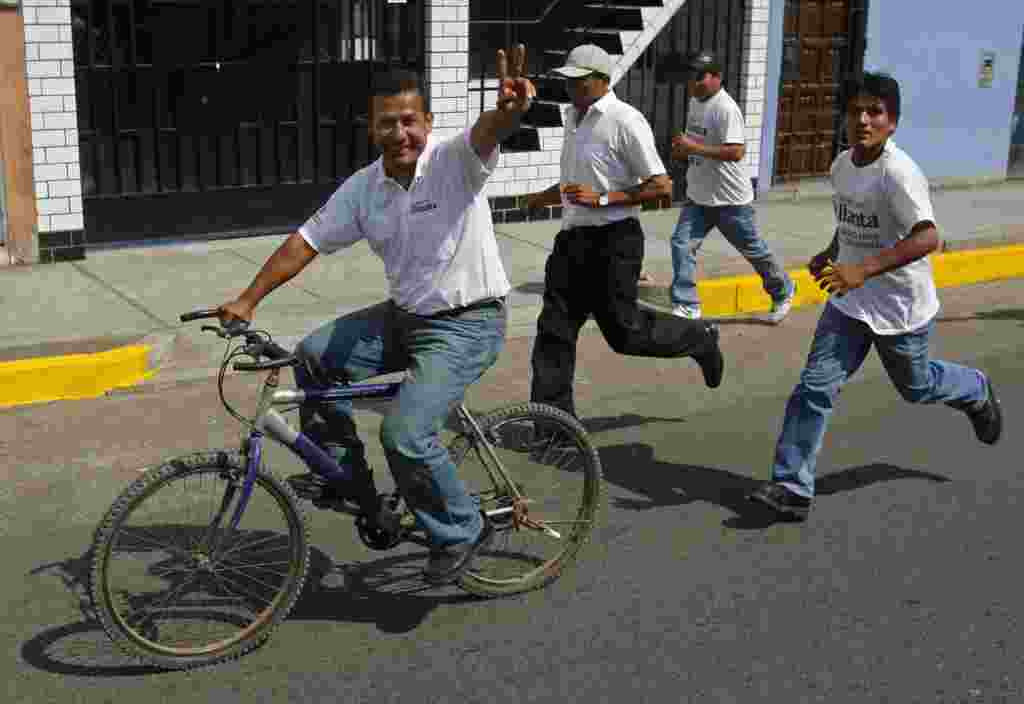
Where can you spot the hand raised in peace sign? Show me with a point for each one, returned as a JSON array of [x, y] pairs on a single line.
[[515, 93]]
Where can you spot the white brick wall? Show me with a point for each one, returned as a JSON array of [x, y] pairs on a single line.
[[50, 71], [447, 57], [753, 76]]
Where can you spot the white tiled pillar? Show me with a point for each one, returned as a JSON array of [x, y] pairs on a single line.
[[752, 77], [447, 59], [51, 86]]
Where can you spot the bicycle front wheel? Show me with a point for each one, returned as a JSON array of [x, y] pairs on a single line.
[[545, 517], [174, 586]]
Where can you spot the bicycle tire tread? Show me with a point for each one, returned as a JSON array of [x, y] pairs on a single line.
[[147, 484], [593, 468]]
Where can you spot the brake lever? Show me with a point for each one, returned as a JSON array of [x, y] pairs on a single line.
[[236, 327], [214, 329]]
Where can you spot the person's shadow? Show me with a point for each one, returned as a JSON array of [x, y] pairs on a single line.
[[634, 467]]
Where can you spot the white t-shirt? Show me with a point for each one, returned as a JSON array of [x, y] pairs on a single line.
[[612, 149], [876, 206], [717, 121], [436, 239]]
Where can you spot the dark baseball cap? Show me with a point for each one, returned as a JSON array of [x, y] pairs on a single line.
[[700, 62]]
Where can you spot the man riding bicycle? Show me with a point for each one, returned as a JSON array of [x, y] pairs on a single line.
[[421, 206]]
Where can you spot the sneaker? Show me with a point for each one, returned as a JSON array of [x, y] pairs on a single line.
[[446, 565], [988, 419], [683, 310], [782, 500], [710, 359], [780, 309]]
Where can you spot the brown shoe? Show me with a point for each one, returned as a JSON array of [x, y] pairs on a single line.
[[446, 565]]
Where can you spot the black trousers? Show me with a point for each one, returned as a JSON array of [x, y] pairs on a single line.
[[594, 271]]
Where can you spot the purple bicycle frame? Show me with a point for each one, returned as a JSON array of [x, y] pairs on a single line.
[[272, 423]]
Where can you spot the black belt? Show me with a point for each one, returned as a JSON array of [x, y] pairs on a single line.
[[493, 302]]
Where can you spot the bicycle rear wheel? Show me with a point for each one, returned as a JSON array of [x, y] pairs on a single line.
[[557, 474], [175, 587]]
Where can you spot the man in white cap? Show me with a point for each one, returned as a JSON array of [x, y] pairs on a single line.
[[609, 166]]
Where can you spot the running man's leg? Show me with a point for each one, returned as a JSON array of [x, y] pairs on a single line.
[[631, 330], [839, 347], [688, 236], [558, 327], [738, 224], [920, 379]]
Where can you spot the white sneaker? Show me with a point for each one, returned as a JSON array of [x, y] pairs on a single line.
[[781, 308], [685, 311]]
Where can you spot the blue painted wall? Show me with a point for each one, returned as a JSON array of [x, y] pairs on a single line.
[[949, 125]]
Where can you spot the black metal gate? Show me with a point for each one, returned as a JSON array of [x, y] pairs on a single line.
[[206, 118], [654, 85]]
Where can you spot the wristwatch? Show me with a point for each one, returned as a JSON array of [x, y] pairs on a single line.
[[602, 200]]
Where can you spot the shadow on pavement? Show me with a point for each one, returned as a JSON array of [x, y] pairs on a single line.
[[387, 592], [1002, 314], [634, 468], [530, 287], [601, 424]]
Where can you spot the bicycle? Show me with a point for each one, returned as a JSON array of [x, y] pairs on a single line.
[[201, 558]]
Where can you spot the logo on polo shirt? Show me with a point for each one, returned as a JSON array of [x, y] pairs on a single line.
[[423, 206]]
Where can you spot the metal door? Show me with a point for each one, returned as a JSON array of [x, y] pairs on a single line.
[[202, 118], [823, 42]]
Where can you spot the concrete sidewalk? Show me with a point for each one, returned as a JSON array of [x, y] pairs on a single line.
[[77, 329]]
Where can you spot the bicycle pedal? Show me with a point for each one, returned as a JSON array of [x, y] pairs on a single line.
[[307, 487]]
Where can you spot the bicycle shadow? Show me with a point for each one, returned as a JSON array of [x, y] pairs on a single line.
[[633, 467], [387, 592]]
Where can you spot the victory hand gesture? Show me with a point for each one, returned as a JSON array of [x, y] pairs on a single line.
[[515, 93]]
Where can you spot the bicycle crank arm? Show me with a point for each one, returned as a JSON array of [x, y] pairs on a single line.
[[529, 522]]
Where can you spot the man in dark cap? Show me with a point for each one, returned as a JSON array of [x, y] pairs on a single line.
[[718, 192]]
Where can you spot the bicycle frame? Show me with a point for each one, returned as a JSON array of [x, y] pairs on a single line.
[[269, 422]]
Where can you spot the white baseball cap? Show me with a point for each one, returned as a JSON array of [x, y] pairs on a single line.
[[585, 60]]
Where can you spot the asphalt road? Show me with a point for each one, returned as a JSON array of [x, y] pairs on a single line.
[[904, 586]]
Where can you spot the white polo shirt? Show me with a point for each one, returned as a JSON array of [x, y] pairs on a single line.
[[612, 149], [436, 239]]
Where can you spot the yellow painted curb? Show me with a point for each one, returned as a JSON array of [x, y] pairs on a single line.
[[79, 376], [72, 376], [735, 295]]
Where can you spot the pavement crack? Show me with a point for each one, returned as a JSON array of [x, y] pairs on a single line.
[[256, 262], [164, 325]]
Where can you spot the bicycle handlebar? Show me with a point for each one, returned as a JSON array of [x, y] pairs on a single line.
[[257, 344], [198, 315]]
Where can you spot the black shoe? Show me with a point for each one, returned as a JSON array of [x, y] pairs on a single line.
[[446, 565], [710, 359], [782, 500], [988, 420]]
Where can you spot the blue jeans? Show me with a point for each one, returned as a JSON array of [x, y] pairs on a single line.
[[443, 355], [738, 226], [840, 345]]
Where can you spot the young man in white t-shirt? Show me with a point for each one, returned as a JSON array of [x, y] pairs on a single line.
[[422, 208], [883, 296], [718, 193]]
